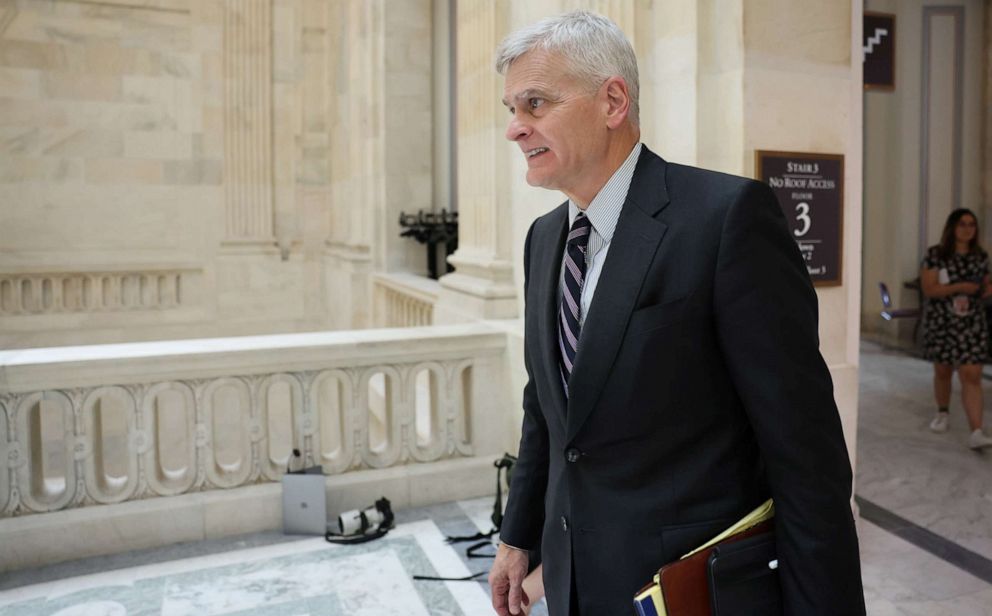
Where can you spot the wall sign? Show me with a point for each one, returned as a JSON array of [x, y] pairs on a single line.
[[810, 190], [878, 41]]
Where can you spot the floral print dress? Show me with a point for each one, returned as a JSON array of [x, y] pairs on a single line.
[[954, 327]]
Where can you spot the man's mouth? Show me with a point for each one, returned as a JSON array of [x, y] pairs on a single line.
[[535, 152]]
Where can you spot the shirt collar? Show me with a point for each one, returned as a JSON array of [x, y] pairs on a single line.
[[604, 210]]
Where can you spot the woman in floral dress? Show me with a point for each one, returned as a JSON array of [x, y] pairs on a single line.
[[955, 279]]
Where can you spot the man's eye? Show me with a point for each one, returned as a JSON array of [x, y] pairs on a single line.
[[535, 102], [512, 110]]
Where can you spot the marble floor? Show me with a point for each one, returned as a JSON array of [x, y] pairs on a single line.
[[283, 576], [926, 540], [928, 487]]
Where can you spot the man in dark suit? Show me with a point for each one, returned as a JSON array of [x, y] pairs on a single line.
[[674, 376]]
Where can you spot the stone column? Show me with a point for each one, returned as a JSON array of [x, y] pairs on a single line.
[[483, 286], [259, 277], [356, 160], [288, 91], [248, 124], [313, 169], [407, 133]]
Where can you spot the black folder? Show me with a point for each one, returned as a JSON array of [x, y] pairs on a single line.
[[743, 578]]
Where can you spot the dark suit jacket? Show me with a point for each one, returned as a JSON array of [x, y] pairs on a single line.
[[698, 392]]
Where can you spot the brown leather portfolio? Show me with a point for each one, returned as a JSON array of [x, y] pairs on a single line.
[[684, 583]]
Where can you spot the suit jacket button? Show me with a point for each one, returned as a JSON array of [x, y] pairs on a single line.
[[564, 524], [572, 454]]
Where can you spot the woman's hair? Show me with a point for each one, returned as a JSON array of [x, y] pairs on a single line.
[[594, 47], [947, 238]]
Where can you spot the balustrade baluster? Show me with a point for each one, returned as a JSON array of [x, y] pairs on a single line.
[[7, 305], [111, 292], [58, 287], [25, 298], [177, 294]]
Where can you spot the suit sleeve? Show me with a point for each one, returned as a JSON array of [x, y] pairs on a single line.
[[766, 317], [524, 515]]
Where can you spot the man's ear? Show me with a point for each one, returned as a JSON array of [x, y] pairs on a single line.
[[617, 101]]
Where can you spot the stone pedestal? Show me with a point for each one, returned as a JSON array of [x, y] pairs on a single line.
[[348, 286], [480, 288]]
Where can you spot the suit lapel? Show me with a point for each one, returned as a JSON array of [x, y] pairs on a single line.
[[635, 242], [548, 265]]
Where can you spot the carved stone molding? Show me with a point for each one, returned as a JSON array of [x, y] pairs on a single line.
[[169, 6], [93, 291]]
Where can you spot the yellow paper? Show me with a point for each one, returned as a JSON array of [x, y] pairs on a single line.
[[765, 511]]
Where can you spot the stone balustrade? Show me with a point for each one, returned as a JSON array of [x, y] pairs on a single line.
[[105, 424], [404, 300], [50, 293]]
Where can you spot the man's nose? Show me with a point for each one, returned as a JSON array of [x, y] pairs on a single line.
[[516, 129]]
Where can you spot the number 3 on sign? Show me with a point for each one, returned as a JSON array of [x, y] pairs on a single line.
[[802, 216]]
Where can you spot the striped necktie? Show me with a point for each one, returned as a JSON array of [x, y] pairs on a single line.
[[571, 294]]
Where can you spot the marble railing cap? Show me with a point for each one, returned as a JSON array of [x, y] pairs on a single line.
[[193, 346]]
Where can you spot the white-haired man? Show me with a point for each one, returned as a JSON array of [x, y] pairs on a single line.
[[674, 375]]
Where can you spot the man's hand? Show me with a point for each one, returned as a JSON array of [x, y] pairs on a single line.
[[505, 580]]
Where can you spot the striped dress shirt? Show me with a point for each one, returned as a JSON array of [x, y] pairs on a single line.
[[603, 213]]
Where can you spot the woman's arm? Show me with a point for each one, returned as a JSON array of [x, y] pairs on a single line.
[[931, 287]]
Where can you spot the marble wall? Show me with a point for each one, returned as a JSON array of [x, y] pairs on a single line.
[[242, 147]]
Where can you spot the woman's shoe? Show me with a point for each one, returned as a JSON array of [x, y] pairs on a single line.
[[978, 440], [939, 423]]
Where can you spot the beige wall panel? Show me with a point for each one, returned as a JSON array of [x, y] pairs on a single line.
[[666, 42], [802, 31], [105, 219], [972, 109], [720, 87], [805, 96], [941, 156], [20, 83], [254, 288]]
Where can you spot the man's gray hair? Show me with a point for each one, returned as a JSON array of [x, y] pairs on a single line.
[[594, 47]]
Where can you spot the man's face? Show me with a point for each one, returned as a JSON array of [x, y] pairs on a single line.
[[558, 123]]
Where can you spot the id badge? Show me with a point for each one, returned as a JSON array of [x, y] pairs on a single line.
[[961, 305]]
